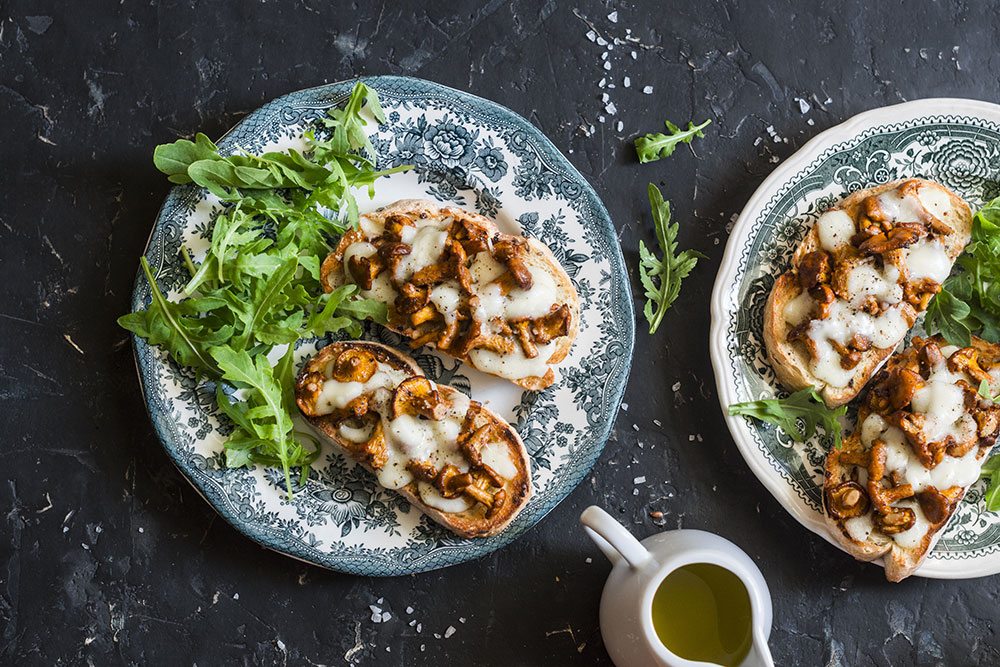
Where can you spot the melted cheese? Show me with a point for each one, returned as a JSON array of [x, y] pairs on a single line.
[[355, 433], [835, 229], [513, 366], [911, 539], [860, 528], [497, 456], [799, 309], [485, 269], [427, 245], [447, 297], [866, 280], [336, 395], [928, 259], [899, 208], [885, 330], [432, 498], [534, 302]]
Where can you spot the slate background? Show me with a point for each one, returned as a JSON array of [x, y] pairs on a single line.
[[107, 556]]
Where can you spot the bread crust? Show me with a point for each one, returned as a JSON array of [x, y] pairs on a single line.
[[790, 361], [472, 522], [900, 562], [538, 255]]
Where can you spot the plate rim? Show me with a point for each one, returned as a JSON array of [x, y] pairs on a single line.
[[450, 554], [812, 149]]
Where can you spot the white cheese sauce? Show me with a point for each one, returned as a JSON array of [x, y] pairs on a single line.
[[447, 297], [798, 309], [427, 244], [910, 539], [860, 528], [928, 259], [866, 280], [835, 229], [885, 330], [497, 456], [432, 498], [336, 395], [899, 208], [534, 302], [513, 366]]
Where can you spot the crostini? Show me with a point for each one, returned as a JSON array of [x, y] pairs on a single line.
[[458, 462], [453, 281], [923, 434], [857, 283]]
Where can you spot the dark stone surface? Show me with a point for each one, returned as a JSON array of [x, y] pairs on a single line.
[[108, 556]]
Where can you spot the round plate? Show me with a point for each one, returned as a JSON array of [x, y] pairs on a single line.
[[955, 142], [469, 152]]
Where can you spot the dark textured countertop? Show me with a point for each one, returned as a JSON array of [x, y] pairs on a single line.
[[108, 556]]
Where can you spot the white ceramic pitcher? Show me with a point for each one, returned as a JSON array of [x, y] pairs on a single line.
[[639, 567]]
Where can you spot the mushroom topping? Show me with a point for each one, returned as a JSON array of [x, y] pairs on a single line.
[[902, 235], [374, 452], [936, 505], [411, 298], [424, 314], [987, 426], [929, 355], [524, 338], [417, 396], [824, 297], [882, 496], [554, 325], [967, 360], [903, 383], [395, 223], [510, 252], [308, 388], [363, 270], [912, 426], [919, 293], [354, 365], [391, 253], [896, 520], [814, 269], [847, 500]]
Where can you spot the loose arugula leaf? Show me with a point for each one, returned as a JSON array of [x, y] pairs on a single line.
[[804, 406], [969, 302], [656, 146], [661, 278], [991, 471]]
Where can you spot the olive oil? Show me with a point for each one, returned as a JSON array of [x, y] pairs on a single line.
[[702, 612]]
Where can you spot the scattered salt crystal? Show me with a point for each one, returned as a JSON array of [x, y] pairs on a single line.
[[639, 480], [437, 635], [423, 647], [625, 407], [756, 142], [604, 97], [591, 35], [613, 16], [810, 122], [803, 105], [627, 82], [409, 610], [604, 56], [413, 622], [691, 438], [611, 108], [601, 41], [611, 86], [677, 386], [589, 560], [380, 601], [449, 632], [635, 492], [236, 596], [648, 90], [635, 55], [699, 438], [85, 546], [620, 126], [602, 83], [658, 422], [634, 427], [607, 65], [388, 649], [461, 619], [386, 616], [141, 529], [600, 119], [420, 626]]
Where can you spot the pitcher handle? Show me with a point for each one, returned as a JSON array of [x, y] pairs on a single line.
[[612, 539]]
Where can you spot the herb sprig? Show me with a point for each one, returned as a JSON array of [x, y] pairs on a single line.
[[969, 302], [656, 146], [661, 278], [257, 289], [991, 471], [798, 415]]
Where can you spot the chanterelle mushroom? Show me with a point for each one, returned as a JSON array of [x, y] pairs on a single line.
[[417, 396], [847, 500]]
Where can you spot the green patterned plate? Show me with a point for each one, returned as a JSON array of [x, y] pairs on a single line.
[[952, 141], [466, 151]]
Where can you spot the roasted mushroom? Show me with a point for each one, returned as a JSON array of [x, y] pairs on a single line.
[[411, 298], [814, 269], [417, 396], [364, 270], [966, 360], [354, 365], [509, 251], [896, 520], [847, 500]]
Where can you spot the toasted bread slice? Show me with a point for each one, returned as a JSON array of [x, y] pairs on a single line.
[[922, 436], [469, 301], [458, 462], [887, 249]]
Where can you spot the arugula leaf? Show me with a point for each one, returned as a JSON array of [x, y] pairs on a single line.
[[661, 278], [969, 302], [991, 471], [656, 146], [258, 285], [804, 407]]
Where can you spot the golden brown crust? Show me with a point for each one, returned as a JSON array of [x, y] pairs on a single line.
[[863, 466], [474, 522], [790, 360], [536, 254]]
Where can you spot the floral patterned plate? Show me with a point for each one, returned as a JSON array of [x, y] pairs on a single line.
[[952, 141], [470, 152]]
